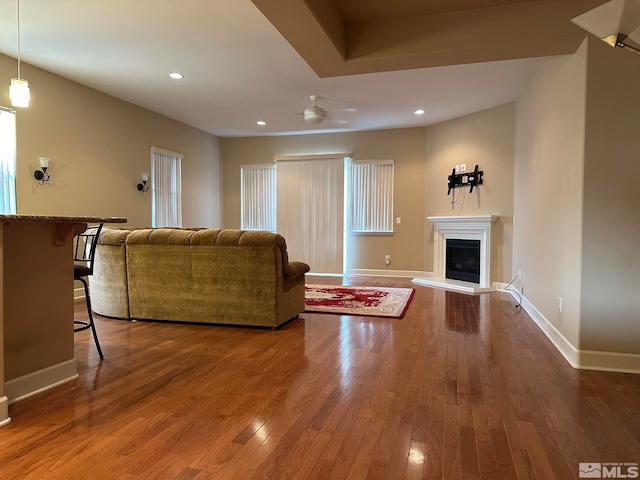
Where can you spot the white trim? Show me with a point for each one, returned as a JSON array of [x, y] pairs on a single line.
[[166, 152], [610, 361], [373, 162], [311, 156], [78, 293], [581, 359], [4, 411], [386, 273], [258, 165], [564, 346], [21, 388]]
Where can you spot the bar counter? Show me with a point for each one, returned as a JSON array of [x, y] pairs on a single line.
[[36, 296]]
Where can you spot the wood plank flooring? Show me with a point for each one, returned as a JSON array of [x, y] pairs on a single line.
[[463, 387]]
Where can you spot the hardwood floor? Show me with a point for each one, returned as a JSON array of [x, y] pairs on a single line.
[[463, 387]]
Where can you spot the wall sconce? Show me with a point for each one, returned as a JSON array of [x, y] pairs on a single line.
[[143, 186], [41, 175]]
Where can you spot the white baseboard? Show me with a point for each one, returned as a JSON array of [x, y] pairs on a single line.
[[4, 411], [387, 273], [610, 361], [78, 293], [27, 386], [581, 359]]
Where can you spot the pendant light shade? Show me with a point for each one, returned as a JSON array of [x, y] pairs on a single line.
[[616, 23], [19, 92]]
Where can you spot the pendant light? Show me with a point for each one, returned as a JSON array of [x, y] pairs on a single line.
[[19, 88], [616, 22]]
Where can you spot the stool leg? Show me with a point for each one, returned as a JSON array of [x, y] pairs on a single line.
[[90, 313]]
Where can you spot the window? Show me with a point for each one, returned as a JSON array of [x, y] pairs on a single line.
[[7, 161], [166, 188], [371, 196], [258, 197]]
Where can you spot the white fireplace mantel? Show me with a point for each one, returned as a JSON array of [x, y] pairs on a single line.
[[471, 227]]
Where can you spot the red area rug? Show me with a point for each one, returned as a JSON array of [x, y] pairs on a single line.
[[370, 301]]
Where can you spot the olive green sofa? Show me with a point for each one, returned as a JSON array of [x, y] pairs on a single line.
[[217, 276]]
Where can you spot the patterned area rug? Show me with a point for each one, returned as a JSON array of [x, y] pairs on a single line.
[[370, 301]]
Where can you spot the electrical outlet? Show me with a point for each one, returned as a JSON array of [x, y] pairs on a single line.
[[560, 304], [387, 259], [398, 220], [463, 167], [457, 168]]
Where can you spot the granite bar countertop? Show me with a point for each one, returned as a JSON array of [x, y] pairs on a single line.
[[6, 218]]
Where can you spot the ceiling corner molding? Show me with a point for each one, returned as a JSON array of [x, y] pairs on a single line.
[[313, 28], [331, 46]]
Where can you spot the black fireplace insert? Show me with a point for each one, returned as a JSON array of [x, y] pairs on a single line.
[[463, 260]]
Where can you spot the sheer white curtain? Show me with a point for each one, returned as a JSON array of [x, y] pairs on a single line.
[[7, 161], [310, 210], [258, 197], [371, 195], [166, 188]]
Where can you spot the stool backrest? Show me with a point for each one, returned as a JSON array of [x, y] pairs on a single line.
[[86, 243]]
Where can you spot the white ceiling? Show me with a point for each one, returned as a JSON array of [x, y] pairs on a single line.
[[238, 69]]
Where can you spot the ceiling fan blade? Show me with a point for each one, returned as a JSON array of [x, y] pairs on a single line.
[[336, 120]]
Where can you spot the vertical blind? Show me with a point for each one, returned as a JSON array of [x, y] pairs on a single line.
[[310, 211], [7, 161], [371, 196], [258, 197], [166, 188]]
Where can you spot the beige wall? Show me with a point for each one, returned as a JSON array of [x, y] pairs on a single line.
[[405, 146], [611, 230], [424, 158], [98, 146], [485, 139], [550, 118]]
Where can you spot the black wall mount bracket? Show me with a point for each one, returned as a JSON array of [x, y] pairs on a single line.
[[471, 179]]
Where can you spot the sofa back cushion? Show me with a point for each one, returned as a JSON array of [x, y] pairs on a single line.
[[209, 236]]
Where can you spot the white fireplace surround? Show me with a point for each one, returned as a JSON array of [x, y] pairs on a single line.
[[471, 227]]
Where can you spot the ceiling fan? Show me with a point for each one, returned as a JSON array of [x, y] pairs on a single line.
[[316, 114]]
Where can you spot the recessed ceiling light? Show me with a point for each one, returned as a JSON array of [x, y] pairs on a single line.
[[261, 123], [176, 75], [419, 112]]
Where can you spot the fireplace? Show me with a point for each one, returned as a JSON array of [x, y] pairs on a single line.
[[476, 228], [463, 260]]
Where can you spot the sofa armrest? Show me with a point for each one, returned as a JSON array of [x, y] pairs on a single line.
[[295, 269]]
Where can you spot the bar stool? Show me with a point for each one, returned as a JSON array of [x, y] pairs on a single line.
[[85, 250]]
